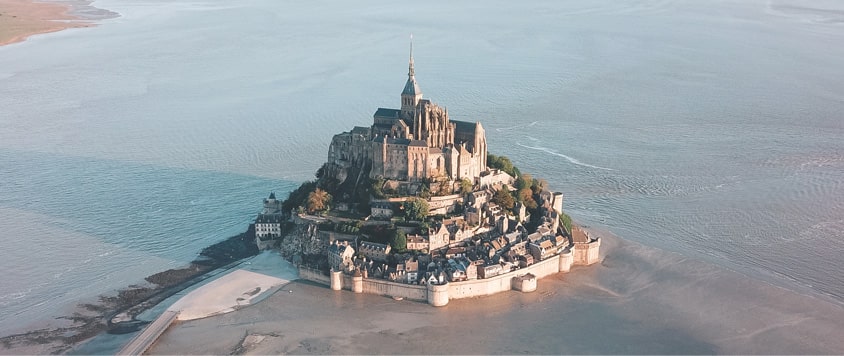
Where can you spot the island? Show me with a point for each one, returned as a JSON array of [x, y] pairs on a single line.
[[414, 207]]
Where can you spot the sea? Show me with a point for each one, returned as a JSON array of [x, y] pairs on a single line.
[[713, 129]]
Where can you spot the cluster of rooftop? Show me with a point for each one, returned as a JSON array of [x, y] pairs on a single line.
[[415, 199]]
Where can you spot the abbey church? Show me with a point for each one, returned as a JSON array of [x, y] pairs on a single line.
[[414, 143]]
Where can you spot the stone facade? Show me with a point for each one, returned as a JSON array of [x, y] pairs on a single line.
[[417, 142], [268, 223]]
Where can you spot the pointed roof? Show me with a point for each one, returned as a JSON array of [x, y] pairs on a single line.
[[411, 87]]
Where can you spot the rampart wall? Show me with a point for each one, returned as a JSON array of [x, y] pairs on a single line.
[[501, 283], [586, 254], [383, 287], [313, 275]]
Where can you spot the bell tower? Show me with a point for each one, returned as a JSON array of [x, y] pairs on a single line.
[[411, 94]]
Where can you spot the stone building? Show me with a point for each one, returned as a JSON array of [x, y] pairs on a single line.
[[417, 142], [374, 251], [268, 223]]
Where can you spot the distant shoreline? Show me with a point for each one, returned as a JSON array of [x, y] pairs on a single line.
[[21, 19]]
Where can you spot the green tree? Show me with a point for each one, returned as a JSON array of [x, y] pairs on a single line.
[[415, 209], [425, 193], [525, 195], [297, 197], [503, 198], [465, 186], [399, 241], [503, 163], [377, 188], [445, 187], [318, 201], [524, 181]]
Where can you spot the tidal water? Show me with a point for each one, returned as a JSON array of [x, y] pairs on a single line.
[[709, 128]]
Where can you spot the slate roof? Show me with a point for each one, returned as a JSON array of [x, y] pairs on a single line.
[[411, 87], [463, 126], [391, 113]]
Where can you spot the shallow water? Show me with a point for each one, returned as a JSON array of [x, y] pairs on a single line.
[[712, 129]]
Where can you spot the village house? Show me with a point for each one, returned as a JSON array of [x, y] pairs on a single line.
[[381, 210], [542, 249], [417, 242], [340, 256], [489, 271], [374, 251]]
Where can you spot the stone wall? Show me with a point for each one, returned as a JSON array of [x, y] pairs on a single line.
[[501, 283], [466, 289], [313, 275], [587, 253], [444, 204], [383, 287]]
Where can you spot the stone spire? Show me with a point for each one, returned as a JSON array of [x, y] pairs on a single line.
[[410, 72], [411, 94]]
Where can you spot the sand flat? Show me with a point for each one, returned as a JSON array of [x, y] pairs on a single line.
[[638, 300], [20, 19], [226, 294]]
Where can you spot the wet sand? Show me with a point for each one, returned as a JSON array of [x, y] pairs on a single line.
[[20, 19], [116, 314], [639, 300]]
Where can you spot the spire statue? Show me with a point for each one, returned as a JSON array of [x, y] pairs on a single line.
[[410, 72]]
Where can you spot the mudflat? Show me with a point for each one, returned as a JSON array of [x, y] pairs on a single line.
[[20, 19], [637, 300]]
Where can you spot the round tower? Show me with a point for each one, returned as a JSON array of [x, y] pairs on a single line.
[[438, 294], [357, 282], [336, 280], [566, 260]]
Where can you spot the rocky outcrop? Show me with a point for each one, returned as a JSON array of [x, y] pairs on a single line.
[[302, 245]]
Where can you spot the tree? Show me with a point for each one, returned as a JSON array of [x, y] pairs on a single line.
[[539, 185], [399, 241], [524, 181], [297, 197], [525, 195], [377, 188], [503, 163], [445, 187], [465, 186], [415, 209], [318, 201], [503, 198], [425, 193]]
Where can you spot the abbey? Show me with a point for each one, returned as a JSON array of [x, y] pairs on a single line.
[[417, 142]]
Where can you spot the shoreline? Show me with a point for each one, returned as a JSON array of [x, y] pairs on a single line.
[[116, 312], [610, 284], [22, 19]]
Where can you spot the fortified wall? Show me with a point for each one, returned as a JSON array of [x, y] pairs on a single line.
[[524, 279]]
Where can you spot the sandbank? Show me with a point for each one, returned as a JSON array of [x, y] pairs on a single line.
[[20, 19], [226, 294], [637, 300]]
